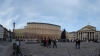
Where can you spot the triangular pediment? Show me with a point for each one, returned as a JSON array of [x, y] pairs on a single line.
[[88, 28]]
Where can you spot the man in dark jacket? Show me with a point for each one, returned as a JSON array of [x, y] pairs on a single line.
[[49, 42], [77, 44]]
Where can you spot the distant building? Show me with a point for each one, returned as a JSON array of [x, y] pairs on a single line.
[[98, 35], [72, 36], [1, 32], [5, 35], [67, 34], [86, 33], [38, 31], [9, 35]]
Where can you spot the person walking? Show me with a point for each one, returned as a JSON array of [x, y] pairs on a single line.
[[17, 42], [54, 43], [41, 44], [49, 43], [44, 42], [78, 44]]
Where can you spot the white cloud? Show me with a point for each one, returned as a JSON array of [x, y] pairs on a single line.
[[69, 14]]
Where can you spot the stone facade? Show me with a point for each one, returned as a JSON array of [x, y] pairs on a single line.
[[38, 31], [1, 31], [98, 35], [5, 34], [86, 33], [72, 35]]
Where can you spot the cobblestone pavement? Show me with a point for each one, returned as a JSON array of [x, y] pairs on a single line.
[[3, 47], [63, 49]]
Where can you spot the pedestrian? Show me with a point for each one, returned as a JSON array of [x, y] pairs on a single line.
[[41, 42], [49, 43], [54, 43], [76, 41], [17, 42], [46, 42], [17, 48], [77, 44]]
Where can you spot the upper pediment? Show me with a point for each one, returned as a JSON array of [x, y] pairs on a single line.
[[88, 28]]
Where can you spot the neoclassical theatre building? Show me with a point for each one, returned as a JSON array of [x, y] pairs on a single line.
[[38, 31], [86, 33]]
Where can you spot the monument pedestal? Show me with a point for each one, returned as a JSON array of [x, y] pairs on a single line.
[[63, 40]]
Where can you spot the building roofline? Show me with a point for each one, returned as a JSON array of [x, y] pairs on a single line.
[[42, 23], [87, 27], [97, 31], [1, 26], [19, 29], [72, 32]]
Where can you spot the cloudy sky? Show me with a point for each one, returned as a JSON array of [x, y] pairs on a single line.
[[71, 15]]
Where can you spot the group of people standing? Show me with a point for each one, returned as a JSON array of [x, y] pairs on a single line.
[[77, 44], [48, 42]]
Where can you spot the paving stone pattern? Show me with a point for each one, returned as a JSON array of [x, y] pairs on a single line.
[[5, 48], [63, 49]]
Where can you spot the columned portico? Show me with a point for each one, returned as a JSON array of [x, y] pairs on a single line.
[[86, 35], [94, 36]]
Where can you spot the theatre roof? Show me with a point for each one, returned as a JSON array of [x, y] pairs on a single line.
[[42, 23]]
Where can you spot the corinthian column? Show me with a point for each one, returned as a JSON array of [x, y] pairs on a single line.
[[81, 35], [94, 35], [89, 35], [78, 35]]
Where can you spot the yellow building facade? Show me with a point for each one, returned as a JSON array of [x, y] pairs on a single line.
[[38, 31]]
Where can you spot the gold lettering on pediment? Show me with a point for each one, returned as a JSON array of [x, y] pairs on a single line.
[[86, 29]]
